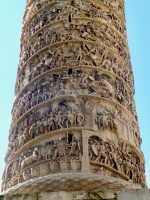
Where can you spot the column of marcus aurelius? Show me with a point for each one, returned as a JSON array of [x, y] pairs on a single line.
[[74, 123]]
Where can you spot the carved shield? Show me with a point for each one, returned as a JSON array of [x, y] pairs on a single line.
[[94, 149]]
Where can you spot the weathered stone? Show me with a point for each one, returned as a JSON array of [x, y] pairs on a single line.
[[20, 197], [81, 182], [74, 122], [55, 196], [143, 194], [107, 195]]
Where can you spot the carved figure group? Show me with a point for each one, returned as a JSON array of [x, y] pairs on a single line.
[[35, 7], [74, 74], [65, 149], [119, 156], [57, 12], [66, 115], [74, 82], [85, 55], [105, 120]]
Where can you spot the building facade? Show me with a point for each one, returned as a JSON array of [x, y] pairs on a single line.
[[74, 121]]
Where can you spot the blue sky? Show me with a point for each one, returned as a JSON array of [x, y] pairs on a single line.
[[138, 27]]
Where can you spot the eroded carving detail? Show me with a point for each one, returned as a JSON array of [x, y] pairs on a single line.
[[54, 156], [74, 75], [117, 155]]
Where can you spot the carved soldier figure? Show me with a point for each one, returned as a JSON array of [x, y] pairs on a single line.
[[37, 129], [26, 134], [110, 121], [113, 158], [59, 119], [50, 150], [32, 118], [47, 38], [20, 141], [43, 152], [79, 54], [69, 119], [101, 153], [100, 121], [51, 122], [79, 118], [60, 148], [32, 132], [74, 151], [42, 126]]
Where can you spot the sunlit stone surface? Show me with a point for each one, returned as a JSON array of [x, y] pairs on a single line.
[[74, 123]]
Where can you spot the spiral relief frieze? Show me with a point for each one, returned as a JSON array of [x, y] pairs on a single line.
[[74, 109]]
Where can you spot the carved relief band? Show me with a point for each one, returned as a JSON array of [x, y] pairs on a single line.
[[74, 112]]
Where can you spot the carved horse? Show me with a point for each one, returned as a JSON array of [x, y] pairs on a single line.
[[31, 159]]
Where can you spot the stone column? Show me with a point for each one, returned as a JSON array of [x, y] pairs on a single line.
[[74, 99]]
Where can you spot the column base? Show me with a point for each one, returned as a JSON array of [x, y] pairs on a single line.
[[141, 194], [71, 182]]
